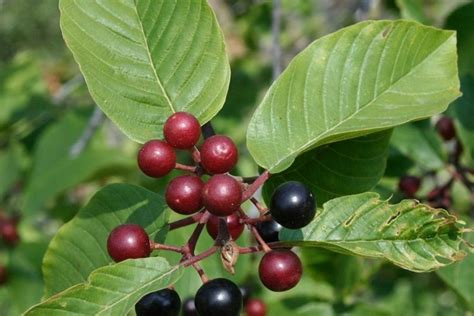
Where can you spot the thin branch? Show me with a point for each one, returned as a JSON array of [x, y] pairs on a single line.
[[185, 221], [157, 246], [252, 188], [67, 88], [186, 168], [276, 47], [95, 121]]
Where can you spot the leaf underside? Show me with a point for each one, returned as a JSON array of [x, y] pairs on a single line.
[[411, 235], [145, 59], [367, 77]]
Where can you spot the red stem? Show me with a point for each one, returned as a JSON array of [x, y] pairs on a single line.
[[252, 188], [187, 168], [262, 209], [199, 257], [185, 221], [156, 246]]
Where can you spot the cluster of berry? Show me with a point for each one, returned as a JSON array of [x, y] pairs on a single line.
[[217, 204]]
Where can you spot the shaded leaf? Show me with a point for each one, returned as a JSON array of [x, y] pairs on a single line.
[[411, 235], [111, 290], [143, 60], [361, 79], [80, 246]]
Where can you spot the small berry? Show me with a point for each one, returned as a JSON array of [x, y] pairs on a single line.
[[182, 130], [128, 241], [189, 308], [293, 205], [268, 230], [164, 302], [9, 231], [3, 275], [255, 307], [280, 270], [409, 185], [183, 194], [234, 226], [445, 127], [156, 158], [219, 154], [218, 297], [221, 195]]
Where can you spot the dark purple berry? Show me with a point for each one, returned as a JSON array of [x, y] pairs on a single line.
[[128, 241], [218, 297], [156, 158], [409, 185], [219, 154], [280, 270], [269, 230], [189, 308], [255, 307], [222, 195], [164, 302], [183, 194], [445, 127], [182, 130], [234, 226]]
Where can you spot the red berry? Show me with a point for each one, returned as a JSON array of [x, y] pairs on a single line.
[[128, 241], [8, 231], [156, 158], [182, 130], [234, 226], [280, 270], [219, 154], [445, 127], [409, 185], [255, 307], [183, 194], [222, 195]]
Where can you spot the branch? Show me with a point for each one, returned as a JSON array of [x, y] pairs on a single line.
[[67, 88], [95, 121]]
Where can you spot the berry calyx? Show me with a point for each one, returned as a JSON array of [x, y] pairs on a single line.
[[221, 195], [164, 302], [255, 307], [219, 154], [409, 185], [445, 127], [128, 241], [280, 270], [189, 308], [293, 205], [218, 297], [156, 158], [9, 231], [268, 230], [182, 130], [183, 194], [234, 226]]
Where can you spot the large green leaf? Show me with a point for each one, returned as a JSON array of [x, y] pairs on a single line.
[[80, 246], [55, 170], [342, 168], [361, 79], [145, 59], [411, 235], [111, 290], [12, 162]]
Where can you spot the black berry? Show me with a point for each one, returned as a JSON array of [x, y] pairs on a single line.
[[128, 241], [156, 158], [183, 194], [189, 308], [269, 230], [409, 185], [218, 297], [219, 154], [255, 307], [280, 270], [164, 302], [182, 130], [246, 292], [293, 205], [234, 226], [445, 127], [222, 195]]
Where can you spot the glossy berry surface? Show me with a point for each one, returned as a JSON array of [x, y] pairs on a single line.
[[128, 241], [221, 195], [219, 154], [156, 158], [218, 297], [445, 127], [9, 231], [293, 205], [183, 194], [409, 185], [234, 226], [280, 270], [182, 130], [164, 302], [255, 307], [268, 230], [189, 308]]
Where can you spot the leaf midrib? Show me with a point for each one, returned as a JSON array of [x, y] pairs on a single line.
[[310, 143]]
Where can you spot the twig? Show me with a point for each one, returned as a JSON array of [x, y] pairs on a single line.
[[185, 221], [252, 188], [199, 257], [187, 168], [262, 209], [255, 232], [67, 88], [276, 47], [95, 121], [156, 246]]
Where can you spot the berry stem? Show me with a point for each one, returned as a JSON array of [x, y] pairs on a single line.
[[195, 154], [201, 272], [255, 220], [254, 231], [258, 248], [191, 244], [187, 168], [252, 188], [262, 209], [199, 257], [185, 221], [157, 246], [208, 130]]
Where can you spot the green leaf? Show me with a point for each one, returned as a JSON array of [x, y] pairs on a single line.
[[459, 277], [420, 142], [111, 290], [361, 79], [80, 246], [12, 162], [463, 111], [412, 9], [143, 60], [342, 168], [411, 235], [53, 164]]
